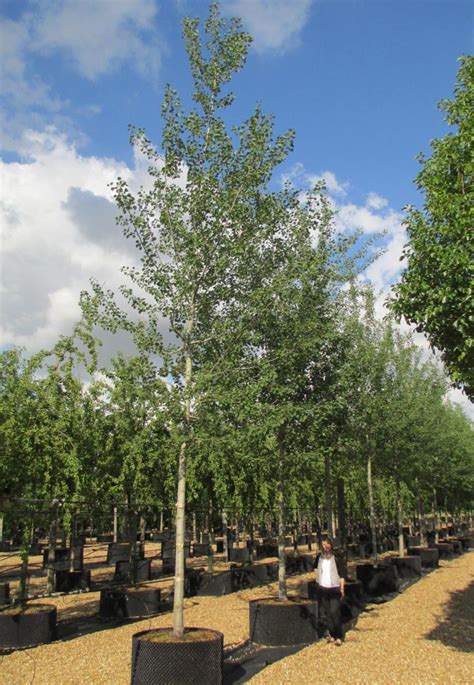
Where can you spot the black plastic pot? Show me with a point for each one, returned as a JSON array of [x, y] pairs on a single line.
[[142, 601], [266, 550], [301, 563], [27, 626], [467, 542], [171, 661], [238, 554], [143, 571], [445, 550], [168, 550], [113, 603], [457, 545], [68, 581], [4, 593], [288, 622], [62, 558], [376, 581], [120, 551], [219, 546], [201, 549], [429, 556], [407, 567]]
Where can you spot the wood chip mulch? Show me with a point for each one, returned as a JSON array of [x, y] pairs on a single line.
[[424, 636]]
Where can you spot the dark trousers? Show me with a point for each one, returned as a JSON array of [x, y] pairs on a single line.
[[329, 605]]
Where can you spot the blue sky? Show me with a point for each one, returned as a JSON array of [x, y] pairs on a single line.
[[359, 81]]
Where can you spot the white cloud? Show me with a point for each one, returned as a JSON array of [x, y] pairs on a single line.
[[275, 25], [48, 256], [93, 37], [374, 201], [100, 36]]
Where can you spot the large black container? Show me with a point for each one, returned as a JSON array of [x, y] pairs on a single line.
[[32, 625], [165, 662], [69, 581], [377, 580], [286, 622], [445, 550], [4, 593], [201, 549], [62, 559], [407, 567], [143, 571], [429, 556], [120, 551], [142, 601], [239, 555]]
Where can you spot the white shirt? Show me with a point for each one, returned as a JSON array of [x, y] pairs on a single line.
[[325, 577]]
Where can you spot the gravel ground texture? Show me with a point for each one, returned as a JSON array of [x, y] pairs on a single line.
[[424, 636]]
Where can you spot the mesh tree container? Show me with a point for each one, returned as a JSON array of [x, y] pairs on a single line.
[[161, 659], [276, 622], [27, 626]]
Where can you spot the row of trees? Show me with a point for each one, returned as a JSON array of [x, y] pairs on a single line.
[[369, 411], [279, 378]]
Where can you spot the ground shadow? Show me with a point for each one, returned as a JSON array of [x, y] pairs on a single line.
[[456, 627]]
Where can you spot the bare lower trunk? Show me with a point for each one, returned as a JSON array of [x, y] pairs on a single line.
[[1, 527], [341, 515], [401, 542], [162, 520], [210, 556], [115, 538], [282, 592], [435, 517], [23, 590], [328, 494], [370, 487], [178, 623], [142, 527], [51, 555], [195, 534], [422, 522], [225, 535]]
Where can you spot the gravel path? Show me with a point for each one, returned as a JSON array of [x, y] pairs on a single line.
[[424, 636]]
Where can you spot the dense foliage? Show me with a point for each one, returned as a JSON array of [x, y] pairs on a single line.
[[436, 288]]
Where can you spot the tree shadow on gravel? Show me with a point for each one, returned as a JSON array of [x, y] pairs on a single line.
[[456, 627]]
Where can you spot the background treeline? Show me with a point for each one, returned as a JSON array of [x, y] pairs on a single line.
[[280, 421]]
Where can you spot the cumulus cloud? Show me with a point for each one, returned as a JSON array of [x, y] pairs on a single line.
[[100, 36], [275, 25], [92, 38], [56, 216]]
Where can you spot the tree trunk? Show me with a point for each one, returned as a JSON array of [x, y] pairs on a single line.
[[115, 538], [178, 623], [341, 515], [178, 618], [142, 527], [1, 526], [51, 553], [162, 520], [422, 522], [328, 493], [225, 536], [25, 546], [401, 542], [435, 517], [370, 487], [282, 592], [132, 539]]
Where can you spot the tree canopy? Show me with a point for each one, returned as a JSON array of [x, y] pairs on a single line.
[[436, 290]]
